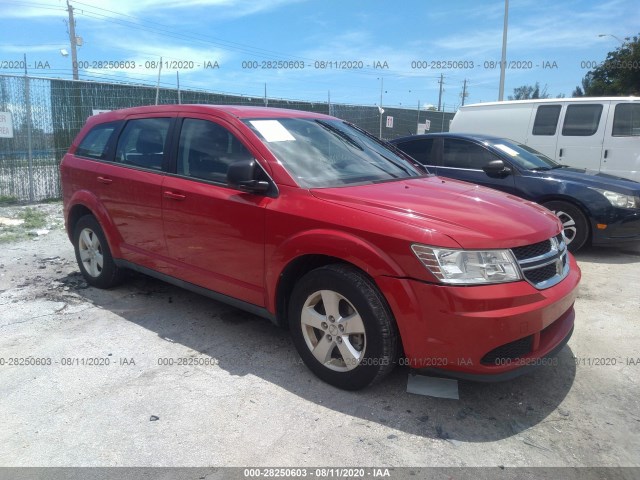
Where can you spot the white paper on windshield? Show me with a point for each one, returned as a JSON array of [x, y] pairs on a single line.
[[507, 150], [272, 130]]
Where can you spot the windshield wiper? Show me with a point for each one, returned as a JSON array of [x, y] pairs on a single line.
[[394, 149], [340, 133], [540, 169]]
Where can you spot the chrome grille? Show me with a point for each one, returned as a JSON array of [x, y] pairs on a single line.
[[543, 264], [530, 251]]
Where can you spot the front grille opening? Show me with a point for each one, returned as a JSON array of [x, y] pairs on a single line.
[[531, 251], [532, 260], [508, 351], [541, 274]]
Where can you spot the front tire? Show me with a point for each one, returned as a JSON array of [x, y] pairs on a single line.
[[93, 254], [342, 327], [574, 223]]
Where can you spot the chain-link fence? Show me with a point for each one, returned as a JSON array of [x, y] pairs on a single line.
[[40, 117]]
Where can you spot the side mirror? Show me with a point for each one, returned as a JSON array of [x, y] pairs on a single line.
[[242, 175], [496, 168]]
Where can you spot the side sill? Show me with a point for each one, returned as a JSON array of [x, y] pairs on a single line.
[[234, 302]]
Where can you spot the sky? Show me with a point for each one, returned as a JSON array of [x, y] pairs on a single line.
[[346, 51]]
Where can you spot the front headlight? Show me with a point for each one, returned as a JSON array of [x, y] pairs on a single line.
[[620, 200], [469, 267]]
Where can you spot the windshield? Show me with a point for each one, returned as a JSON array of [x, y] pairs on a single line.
[[525, 157], [329, 153]]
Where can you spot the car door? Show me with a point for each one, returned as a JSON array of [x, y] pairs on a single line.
[[129, 188], [544, 132], [582, 135], [621, 154], [423, 150], [464, 159], [215, 234]]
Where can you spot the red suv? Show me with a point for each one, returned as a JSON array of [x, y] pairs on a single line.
[[315, 224]]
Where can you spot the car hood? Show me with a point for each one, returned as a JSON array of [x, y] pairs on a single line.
[[594, 179], [473, 216]]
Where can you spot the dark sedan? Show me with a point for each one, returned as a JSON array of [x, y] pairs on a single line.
[[592, 206]]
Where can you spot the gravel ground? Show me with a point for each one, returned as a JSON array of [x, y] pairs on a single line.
[[147, 374]]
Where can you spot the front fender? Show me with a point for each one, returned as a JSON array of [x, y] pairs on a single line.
[[347, 247]]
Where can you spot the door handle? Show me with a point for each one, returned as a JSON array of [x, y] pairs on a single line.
[[560, 152], [174, 196], [606, 153], [104, 180]]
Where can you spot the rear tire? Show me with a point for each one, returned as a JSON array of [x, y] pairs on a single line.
[[93, 254], [342, 327], [574, 223]]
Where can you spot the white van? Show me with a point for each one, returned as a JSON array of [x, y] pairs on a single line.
[[598, 133]]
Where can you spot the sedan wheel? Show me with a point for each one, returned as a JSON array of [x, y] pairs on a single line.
[[574, 223]]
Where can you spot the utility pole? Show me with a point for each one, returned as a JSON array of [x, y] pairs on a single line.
[[27, 99], [464, 91], [158, 84], [73, 41], [441, 81], [503, 62]]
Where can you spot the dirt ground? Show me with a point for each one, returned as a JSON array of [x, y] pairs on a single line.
[[147, 374]]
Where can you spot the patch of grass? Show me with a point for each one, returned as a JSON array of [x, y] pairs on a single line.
[[11, 236], [33, 218], [6, 199]]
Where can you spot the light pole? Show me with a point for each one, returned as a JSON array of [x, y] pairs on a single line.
[[503, 62], [380, 109], [611, 35]]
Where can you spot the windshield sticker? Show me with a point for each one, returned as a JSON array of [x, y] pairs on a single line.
[[507, 150], [272, 130]]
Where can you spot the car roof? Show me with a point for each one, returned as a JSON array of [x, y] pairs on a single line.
[[468, 136], [238, 111], [552, 100]]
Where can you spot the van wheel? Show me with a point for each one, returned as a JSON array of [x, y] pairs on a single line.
[[93, 254], [574, 223], [342, 327]]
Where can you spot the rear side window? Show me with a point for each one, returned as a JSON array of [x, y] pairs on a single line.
[[419, 149], [95, 144], [581, 120], [546, 120], [142, 142], [206, 150], [463, 154], [626, 120]]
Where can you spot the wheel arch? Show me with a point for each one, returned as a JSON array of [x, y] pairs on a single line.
[[573, 201], [84, 203], [324, 248]]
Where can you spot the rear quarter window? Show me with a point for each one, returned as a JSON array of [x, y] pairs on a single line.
[[419, 150], [97, 141]]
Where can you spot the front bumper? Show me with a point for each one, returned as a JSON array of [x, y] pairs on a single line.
[[491, 332], [622, 226]]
